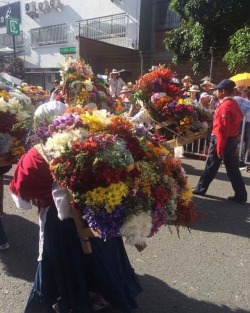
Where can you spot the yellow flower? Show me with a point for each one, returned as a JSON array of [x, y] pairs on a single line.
[[109, 197], [95, 124], [4, 94], [186, 194]]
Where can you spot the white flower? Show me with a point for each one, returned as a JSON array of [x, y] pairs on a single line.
[[4, 106], [88, 85], [137, 228], [102, 115], [61, 141]]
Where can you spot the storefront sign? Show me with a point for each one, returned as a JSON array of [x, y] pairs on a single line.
[[68, 50], [9, 10]]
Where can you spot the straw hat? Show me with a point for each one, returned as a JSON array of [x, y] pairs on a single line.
[[194, 88], [204, 95], [125, 89], [206, 83], [205, 78], [114, 71], [187, 79]]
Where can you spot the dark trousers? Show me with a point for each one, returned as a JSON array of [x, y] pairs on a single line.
[[3, 237], [232, 167]]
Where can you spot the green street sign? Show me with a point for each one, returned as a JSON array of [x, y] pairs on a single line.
[[13, 26], [68, 50]]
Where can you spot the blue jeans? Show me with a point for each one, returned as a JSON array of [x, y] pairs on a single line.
[[3, 237]]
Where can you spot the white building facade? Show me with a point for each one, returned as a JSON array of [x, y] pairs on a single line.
[[50, 30]]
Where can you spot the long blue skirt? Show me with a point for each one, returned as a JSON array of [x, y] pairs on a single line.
[[66, 276]]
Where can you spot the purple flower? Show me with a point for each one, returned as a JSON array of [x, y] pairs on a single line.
[[67, 121], [156, 85], [103, 141], [108, 224]]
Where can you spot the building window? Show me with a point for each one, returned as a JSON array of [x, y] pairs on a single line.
[[51, 35], [7, 41], [164, 18]]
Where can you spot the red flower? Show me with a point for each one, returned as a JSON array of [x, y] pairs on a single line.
[[160, 195], [133, 145], [104, 175], [120, 126], [186, 214]]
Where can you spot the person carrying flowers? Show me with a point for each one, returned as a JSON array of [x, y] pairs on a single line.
[[65, 275]]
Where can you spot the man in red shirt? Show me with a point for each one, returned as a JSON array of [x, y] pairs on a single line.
[[223, 144]]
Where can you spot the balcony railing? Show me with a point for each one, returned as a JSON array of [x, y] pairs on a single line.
[[112, 29], [56, 34], [7, 41]]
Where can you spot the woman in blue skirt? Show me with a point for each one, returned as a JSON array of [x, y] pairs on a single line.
[[66, 277]]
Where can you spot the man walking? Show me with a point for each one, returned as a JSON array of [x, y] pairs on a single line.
[[223, 143]]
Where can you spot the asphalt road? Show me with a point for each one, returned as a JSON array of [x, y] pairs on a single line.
[[206, 270]]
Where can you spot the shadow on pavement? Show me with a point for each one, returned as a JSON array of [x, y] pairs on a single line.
[[158, 297], [222, 216], [20, 260], [190, 170], [7, 179]]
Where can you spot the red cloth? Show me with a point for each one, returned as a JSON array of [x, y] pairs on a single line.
[[32, 179], [227, 119]]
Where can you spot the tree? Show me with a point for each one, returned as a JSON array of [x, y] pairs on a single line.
[[238, 56], [205, 24]]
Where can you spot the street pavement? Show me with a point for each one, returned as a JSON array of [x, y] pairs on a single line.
[[204, 270]]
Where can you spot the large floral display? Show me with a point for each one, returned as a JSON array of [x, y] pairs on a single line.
[[15, 109], [122, 179], [36, 93], [82, 88], [174, 116]]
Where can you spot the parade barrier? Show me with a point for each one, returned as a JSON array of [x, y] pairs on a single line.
[[243, 154]]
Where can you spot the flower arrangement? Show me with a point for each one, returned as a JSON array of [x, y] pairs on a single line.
[[123, 179], [82, 88], [73, 70], [15, 108], [166, 103], [157, 81], [35, 93]]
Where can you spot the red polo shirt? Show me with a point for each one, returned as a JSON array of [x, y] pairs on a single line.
[[227, 119]]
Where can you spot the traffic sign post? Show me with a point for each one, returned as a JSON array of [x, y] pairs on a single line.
[[13, 28]]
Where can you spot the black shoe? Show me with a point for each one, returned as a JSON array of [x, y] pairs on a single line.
[[198, 192], [238, 200], [242, 164]]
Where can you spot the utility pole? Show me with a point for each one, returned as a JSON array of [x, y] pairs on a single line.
[[14, 55], [141, 62], [211, 50]]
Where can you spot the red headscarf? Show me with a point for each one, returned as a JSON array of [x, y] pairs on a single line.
[[32, 179]]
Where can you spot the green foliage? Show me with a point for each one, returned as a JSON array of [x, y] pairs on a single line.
[[238, 56], [205, 24]]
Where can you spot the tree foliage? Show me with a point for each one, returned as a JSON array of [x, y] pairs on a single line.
[[238, 56], [205, 24]]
